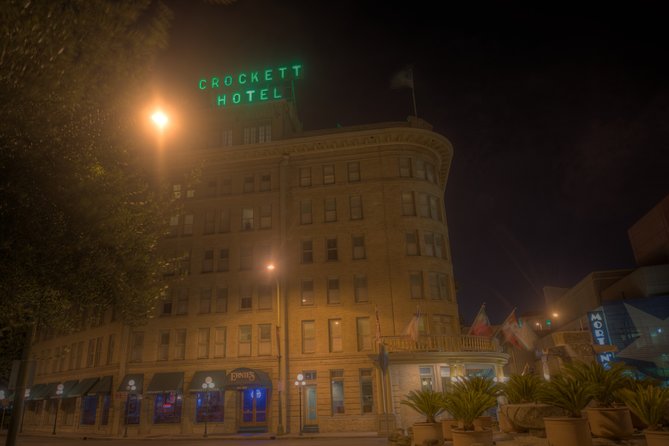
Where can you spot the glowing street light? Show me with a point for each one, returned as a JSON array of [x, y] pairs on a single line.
[[299, 383], [207, 385], [160, 119]]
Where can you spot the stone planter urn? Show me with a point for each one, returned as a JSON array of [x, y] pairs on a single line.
[[462, 437], [526, 416], [427, 432], [610, 422], [657, 438], [567, 431]]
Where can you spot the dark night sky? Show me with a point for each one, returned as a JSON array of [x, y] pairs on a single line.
[[559, 115]]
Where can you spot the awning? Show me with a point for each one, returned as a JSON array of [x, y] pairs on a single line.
[[81, 388], [67, 386], [40, 391], [166, 382], [104, 385], [132, 383], [244, 378], [217, 377]]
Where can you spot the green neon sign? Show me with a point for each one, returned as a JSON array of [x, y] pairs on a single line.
[[248, 87]]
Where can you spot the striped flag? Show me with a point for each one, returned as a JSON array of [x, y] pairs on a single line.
[[481, 325], [413, 327]]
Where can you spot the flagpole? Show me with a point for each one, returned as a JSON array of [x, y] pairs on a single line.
[[413, 98]]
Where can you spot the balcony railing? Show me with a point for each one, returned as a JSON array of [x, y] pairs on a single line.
[[441, 343]]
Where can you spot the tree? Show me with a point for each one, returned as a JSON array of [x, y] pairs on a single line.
[[79, 222]]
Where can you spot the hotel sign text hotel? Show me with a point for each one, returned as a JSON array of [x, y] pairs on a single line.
[[248, 87]]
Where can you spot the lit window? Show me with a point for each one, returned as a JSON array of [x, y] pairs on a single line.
[[358, 247], [333, 290], [355, 207], [364, 334], [353, 172], [305, 212], [247, 219], [360, 288], [335, 332], [366, 391], [332, 253], [244, 344], [307, 292], [305, 176], [307, 251], [264, 339], [328, 174], [337, 391], [219, 342], [330, 209], [308, 336]]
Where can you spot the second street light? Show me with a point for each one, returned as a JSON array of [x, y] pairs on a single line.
[[299, 383], [272, 269], [207, 385], [59, 395]]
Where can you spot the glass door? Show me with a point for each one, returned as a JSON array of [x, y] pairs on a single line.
[[254, 408]]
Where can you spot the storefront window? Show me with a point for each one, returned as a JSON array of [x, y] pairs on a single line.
[[132, 411], [89, 406], [209, 406], [104, 414], [167, 408]]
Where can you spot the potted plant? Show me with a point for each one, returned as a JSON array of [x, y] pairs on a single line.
[[522, 410], [607, 417], [571, 395], [650, 403], [466, 402], [429, 404]]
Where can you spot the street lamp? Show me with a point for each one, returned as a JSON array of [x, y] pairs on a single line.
[[131, 387], [160, 119], [299, 383], [279, 428], [207, 385], [59, 395]]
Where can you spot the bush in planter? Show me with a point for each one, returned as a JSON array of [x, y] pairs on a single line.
[[567, 393], [648, 402], [605, 381], [520, 389], [466, 403], [426, 402]]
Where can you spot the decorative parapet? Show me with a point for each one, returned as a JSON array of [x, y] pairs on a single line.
[[441, 343]]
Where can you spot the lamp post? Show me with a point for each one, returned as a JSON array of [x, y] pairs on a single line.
[[59, 395], [131, 387], [2, 398], [207, 385], [26, 395], [279, 428], [299, 383]]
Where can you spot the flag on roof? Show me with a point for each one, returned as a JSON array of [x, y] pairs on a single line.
[[412, 328], [403, 78], [511, 330], [481, 325]]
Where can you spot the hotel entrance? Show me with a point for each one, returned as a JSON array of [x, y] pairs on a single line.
[[253, 390]]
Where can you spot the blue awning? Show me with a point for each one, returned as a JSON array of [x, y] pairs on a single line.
[[166, 382]]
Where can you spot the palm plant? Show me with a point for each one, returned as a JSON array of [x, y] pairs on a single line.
[[477, 383], [648, 402], [606, 381], [466, 405], [426, 402], [568, 393], [521, 389]]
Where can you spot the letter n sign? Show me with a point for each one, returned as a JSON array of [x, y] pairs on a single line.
[[600, 334]]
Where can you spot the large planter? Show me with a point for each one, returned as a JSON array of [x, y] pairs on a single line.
[[427, 432], [447, 425], [610, 422], [567, 431], [526, 416], [657, 438], [483, 423], [469, 438]]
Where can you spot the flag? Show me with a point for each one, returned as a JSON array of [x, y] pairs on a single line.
[[404, 78], [510, 329], [412, 328], [526, 336], [383, 358], [481, 325], [377, 333]]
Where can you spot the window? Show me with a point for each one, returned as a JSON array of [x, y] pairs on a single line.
[[203, 343], [222, 300], [244, 342], [408, 206], [180, 343], [439, 246], [430, 173], [441, 324], [423, 205], [405, 167], [364, 334], [224, 259], [89, 405], [416, 284], [226, 137], [264, 339], [419, 169], [305, 212], [411, 240], [264, 296], [308, 336], [307, 251], [209, 406], [266, 216], [366, 391], [174, 226], [328, 174], [136, 347], [166, 306], [360, 288], [433, 285], [163, 345], [355, 205], [111, 345], [183, 267], [305, 176], [444, 290], [209, 222], [331, 246], [428, 244], [265, 182], [188, 224], [167, 408], [337, 391], [205, 300], [445, 374], [353, 172], [434, 208], [330, 209], [224, 221], [333, 290], [245, 257], [307, 292], [245, 297], [358, 247], [426, 377], [264, 132], [249, 184], [182, 301], [208, 261], [247, 219], [176, 190], [334, 326], [131, 409], [250, 135], [219, 342]]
